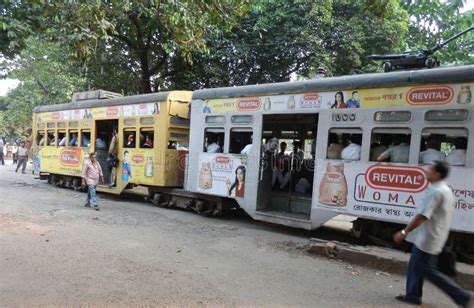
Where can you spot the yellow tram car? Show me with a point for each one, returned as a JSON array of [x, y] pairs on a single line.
[[152, 132]]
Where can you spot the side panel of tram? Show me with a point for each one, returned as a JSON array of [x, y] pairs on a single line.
[[152, 138], [393, 191]]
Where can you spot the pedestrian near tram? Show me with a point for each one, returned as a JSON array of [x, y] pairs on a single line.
[[428, 232], [92, 176], [22, 157]]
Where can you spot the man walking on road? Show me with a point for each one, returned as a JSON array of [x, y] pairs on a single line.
[[2, 161], [430, 231], [22, 157], [92, 175]]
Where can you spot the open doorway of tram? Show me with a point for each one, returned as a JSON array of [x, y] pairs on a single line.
[[287, 166], [106, 152]]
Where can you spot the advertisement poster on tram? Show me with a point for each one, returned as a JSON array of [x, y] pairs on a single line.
[[457, 94], [61, 160], [222, 175], [387, 191]]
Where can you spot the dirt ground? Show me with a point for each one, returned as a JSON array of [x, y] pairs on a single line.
[[55, 252]]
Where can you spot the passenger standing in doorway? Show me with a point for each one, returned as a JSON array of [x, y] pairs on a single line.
[[112, 163], [92, 176], [22, 157], [428, 233]]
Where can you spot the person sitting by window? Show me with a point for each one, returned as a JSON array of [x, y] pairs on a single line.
[[73, 142], [42, 141], [248, 148], [399, 153], [458, 156], [172, 145], [334, 148], [100, 144], [148, 142], [378, 148], [62, 142], [352, 151], [84, 141], [432, 152], [212, 146], [130, 141]]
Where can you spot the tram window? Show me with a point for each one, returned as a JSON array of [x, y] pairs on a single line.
[[147, 138], [214, 140], [129, 140], [147, 121], [51, 138], [61, 124], [62, 139], [51, 125], [40, 138], [390, 145], [73, 139], [40, 125], [73, 124], [344, 143], [241, 141], [85, 138], [448, 144], [447, 115]]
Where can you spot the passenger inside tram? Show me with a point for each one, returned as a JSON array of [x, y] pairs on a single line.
[[433, 151], [352, 150], [380, 143], [399, 152], [334, 147], [62, 139], [458, 156], [212, 144]]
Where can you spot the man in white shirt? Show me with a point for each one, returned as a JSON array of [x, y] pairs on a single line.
[[352, 151], [399, 153], [248, 148], [430, 231], [212, 146], [458, 156], [432, 152]]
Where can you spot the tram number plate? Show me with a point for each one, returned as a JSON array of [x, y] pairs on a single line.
[[344, 117]]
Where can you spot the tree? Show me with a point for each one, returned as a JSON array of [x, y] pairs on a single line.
[[45, 78], [280, 38], [150, 33], [435, 21]]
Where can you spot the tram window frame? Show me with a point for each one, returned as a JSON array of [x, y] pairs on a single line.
[[400, 133], [344, 133], [449, 136], [51, 133], [69, 139], [219, 133], [246, 133], [126, 134], [83, 132], [62, 134], [145, 132], [40, 135], [178, 141]]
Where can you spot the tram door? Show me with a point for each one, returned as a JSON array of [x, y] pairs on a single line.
[[103, 136], [287, 164]]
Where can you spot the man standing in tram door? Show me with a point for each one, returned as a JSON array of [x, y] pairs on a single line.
[[91, 176], [112, 160], [428, 233]]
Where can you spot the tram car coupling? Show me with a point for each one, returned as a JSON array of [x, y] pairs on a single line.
[[294, 153]]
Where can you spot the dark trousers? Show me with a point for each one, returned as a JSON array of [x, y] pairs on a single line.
[[2, 161], [423, 265], [22, 160]]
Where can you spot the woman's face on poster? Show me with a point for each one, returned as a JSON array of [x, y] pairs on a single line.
[[338, 97], [240, 175]]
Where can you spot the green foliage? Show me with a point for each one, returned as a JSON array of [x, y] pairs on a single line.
[[435, 21], [45, 79]]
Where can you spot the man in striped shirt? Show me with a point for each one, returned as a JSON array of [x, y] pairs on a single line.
[[92, 175]]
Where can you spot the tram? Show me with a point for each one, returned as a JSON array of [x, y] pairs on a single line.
[[235, 153]]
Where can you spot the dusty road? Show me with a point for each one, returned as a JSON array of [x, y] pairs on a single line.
[[53, 251]]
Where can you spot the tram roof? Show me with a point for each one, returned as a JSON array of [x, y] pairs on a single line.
[[350, 82], [127, 100]]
